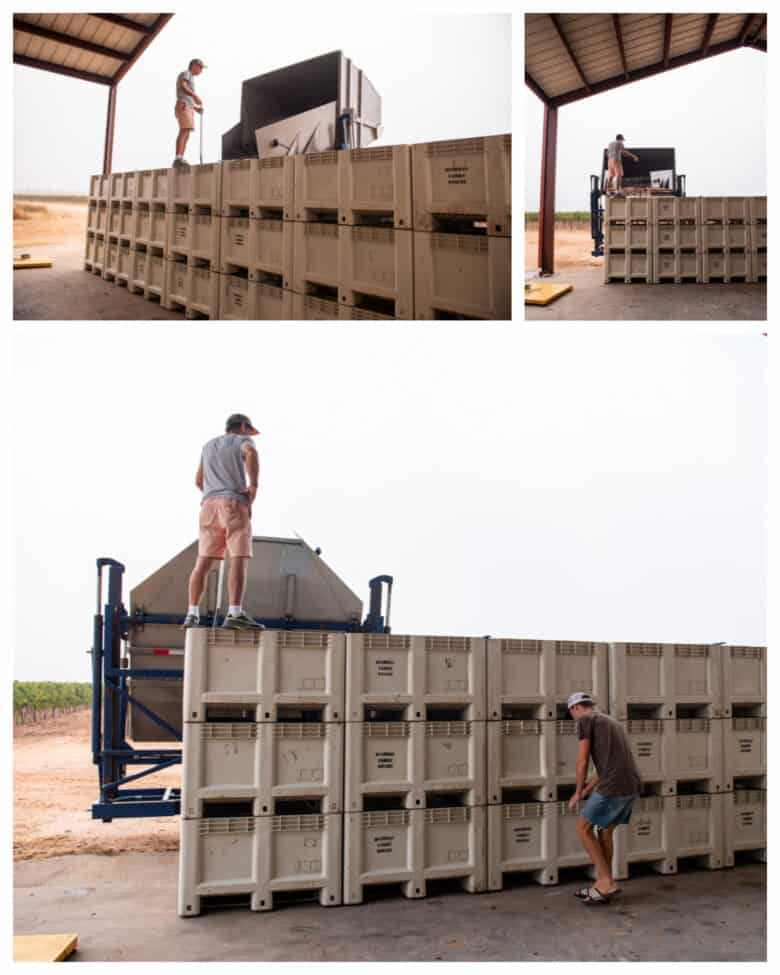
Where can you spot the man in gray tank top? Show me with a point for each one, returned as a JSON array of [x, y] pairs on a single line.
[[615, 152], [610, 792], [225, 517]]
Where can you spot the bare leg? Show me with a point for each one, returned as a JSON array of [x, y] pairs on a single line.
[[198, 579], [604, 837], [593, 848], [237, 580]]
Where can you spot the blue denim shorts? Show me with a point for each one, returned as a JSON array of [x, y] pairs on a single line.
[[604, 811]]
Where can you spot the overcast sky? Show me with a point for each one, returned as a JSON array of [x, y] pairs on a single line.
[[560, 482], [440, 76], [712, 113]]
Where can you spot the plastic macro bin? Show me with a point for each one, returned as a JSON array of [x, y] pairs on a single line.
[[151, 186], [759, 266], [652, 743], [374, 181], [677, 236], [177, 284], [698, 751], [383, 847], [236, 298], [725, 209], [745, 821], [204, 293], [272, 303], [123, 262], [238, 184], [155, 274], [464, 177], [758, 235], [316, 183], [98, 186], [648, 838], [179, 238], [158, 226], [379, 262], [309, 308], [267, 669], [757, 209], [111, 258], [316, 256], [462, 275], [114, 212], [196, 186], [259, 856], [675, 209], [126, 222], [568, 849], [521, 754], [261, 762], [136, 282], [454, 844], [205, 237], [413, 672], [234, 244], [115, 185], [274, 186], [521, 838], [349, 313], [544, 673], [98, 254], [271, 249], [627, 208], [664, 675], [142, 224], [628, 266], [744, 747], [676, 266], [699, 829]]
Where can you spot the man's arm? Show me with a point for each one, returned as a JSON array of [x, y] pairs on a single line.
[[252, 462], [199, 477], [189, 91], [583, 757], [625, 152]]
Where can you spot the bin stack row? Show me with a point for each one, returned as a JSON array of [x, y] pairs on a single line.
[[395, 232], [705, 239], [338, 762]]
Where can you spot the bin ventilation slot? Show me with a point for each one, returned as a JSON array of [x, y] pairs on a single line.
[[525, 727], [373, 713], [447, 729], [448, 815], [521, 797], [515, 712], [386, 641], [222, 731], [219, 809], [523, 810], [382, 803], [397, 817], [645, 726], [230, 824], [748, 653], [295, 808], [453, 644], [298, 824], [386, 729], [437, 713], [300, 730], [571, 648], [444, 800], [521, 646], [230, 713], [691, 651], [298, 715], [693, 802], [645, 650], [693, 725], [566, 727]]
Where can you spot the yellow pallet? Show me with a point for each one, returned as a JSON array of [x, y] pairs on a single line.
[[44, 947], [26, 261], [543, 294]]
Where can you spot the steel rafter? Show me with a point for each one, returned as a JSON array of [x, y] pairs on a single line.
[[746, 24], [125, 22], [37, 30], [708, 31], [667, 37], [62, 69], [621, 46], [569, 50], [536, 88]]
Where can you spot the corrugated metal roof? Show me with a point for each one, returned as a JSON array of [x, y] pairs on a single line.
[[573, 56], [94, 47]]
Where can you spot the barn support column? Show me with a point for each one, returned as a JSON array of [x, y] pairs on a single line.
[[547, 192]]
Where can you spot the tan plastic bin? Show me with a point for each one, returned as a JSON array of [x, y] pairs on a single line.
[[648, 838], [458, 275], [745, 821], [377, 262], [665, 674], [521, 839], [375, 181], [316, 256]]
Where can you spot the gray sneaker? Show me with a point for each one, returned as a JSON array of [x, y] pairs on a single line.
[[190, 620], [241, 622]]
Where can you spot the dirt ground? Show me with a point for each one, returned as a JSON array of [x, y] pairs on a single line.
[[39, 222], [55, 784], [572, 248]]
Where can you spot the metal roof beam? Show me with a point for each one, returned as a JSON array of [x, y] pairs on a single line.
[[619, 36], [98, 79], [569, 51], [536, 88], [59, 38], [758, 30], [667, 37], [757, 45], [157, 26], [641, 73], [711, 21], [745, 28], [125, 22]]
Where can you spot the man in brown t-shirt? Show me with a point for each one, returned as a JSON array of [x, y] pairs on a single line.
[[602, 740]]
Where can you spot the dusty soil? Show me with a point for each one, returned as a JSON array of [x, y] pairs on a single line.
[[572, 248], [38, 222], [55, 784]]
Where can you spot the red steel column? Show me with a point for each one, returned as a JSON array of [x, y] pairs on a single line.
[[547, 192], [109, 143]]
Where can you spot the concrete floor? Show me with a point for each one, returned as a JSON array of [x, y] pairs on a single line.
[[124, 909], [592, 300], [67, 292]]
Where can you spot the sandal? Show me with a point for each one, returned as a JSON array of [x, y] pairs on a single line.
[[595, 896], [582, 893]]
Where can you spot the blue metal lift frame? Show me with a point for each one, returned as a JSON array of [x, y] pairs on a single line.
[[111, 752]]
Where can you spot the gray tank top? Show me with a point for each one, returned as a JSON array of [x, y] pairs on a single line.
[[224, 473], [615, 150]]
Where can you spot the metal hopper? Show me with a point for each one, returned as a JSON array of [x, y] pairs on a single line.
[[313, 106]]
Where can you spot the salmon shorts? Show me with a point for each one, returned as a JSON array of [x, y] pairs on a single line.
[[184, 115], [225, 524], [615, 167]]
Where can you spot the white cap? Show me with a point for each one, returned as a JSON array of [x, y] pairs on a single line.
[[578, 697]]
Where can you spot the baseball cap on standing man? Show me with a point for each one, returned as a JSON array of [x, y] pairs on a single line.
[[578, 697], [236, 418]]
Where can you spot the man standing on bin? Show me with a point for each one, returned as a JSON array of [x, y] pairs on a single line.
[[187, 103], [225, 517], [610, 793], [615, 152]]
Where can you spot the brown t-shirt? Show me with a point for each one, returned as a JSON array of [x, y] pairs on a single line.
[[611, 753]]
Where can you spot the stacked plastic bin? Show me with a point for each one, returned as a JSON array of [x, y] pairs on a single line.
[[757, 237], [414, 763], [744, 751], [463, 228], [262, 779], [676, 240], [532, 753], [97, 224], [628, 240], [725, 239]]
